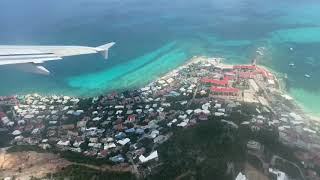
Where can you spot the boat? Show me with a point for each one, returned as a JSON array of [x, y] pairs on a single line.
[[307, 75], [260, 53], [291, 64]]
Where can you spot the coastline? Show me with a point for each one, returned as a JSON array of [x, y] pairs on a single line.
[[195, 59], [299, 105], [187, 80]]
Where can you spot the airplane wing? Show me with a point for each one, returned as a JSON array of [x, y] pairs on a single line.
[[32, 56]]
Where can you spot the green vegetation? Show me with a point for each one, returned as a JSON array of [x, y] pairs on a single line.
[[5, 139], [80, 158], [290, 169], [201, 152], [75, 172], [85, 103], [21, 148]]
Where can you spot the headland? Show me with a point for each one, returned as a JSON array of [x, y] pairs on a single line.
[[129, 129]]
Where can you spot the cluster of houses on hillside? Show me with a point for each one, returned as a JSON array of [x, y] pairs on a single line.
[[129, 126]]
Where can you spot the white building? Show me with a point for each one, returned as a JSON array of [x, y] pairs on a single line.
[[280, 175], [153, 155], [241, 176]]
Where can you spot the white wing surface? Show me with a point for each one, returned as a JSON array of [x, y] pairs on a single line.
[[34, 55]]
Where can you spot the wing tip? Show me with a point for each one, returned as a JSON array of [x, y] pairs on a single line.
[[104, 49]]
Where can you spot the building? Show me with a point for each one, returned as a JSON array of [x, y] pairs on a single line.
[[223, 82], [279, 175], [245, 67], [224, 91], [241, 176]]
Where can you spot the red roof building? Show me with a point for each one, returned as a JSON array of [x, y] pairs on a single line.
[[226, 91], [245, 67], [103, 153], [247, 75], [131, 118], [265, 73], [119, 127], [8, 100], [2, 114], [216, 82]]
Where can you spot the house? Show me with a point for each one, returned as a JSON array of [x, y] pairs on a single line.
[[77, 113], [119, 107], [110, 139], [96, 119], [70, 112], [95, 145], [90, 153], [16, 132], [93, 140], [131, 118], [117, 159], [63, 143], [129, 111], [109, 146], [218, 114], [21, 122], [103, 153], [5, 120], [78, 150], [44, 146], [123, 141], [139, 131], [120, 135], [224, 91], [68, 126], [152, 156], [81, 124], [189, 111], [35, 131], [216, 82], [241, 176], [131, 130], [203, 117], [279, 175], [77, 143], [161, 109], [2, 114], [65, 108], [184, 123], [160, 139], [183, 116], [154, 134]]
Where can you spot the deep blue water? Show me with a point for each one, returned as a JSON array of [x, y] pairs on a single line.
[[155, 36]]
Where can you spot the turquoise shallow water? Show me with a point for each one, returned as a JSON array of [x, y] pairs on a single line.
[[154, 37]]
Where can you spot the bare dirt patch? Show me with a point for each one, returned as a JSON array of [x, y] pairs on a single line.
[[253, 173], [24, 165]]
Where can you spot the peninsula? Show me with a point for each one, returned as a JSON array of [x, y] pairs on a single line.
[[234, 118]]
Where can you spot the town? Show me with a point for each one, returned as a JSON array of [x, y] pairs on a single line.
[[128, 127]]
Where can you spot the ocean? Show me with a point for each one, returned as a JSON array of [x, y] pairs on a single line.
[[154, 37]]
